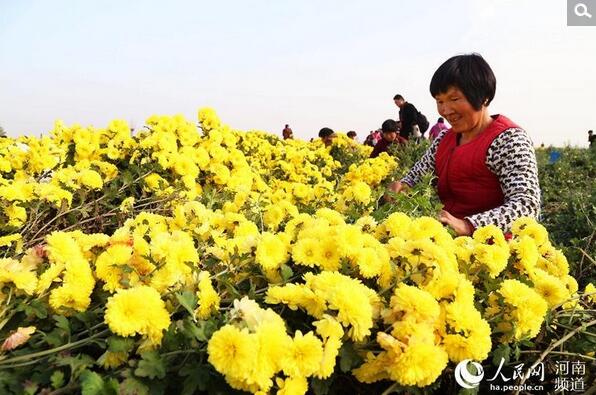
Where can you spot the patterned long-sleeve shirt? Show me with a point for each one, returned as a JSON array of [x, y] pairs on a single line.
[[512, 159]]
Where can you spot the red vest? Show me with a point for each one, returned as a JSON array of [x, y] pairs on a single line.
[[466, 186]]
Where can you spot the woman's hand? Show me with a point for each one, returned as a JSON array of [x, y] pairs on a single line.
[[461, 226], [395, 187], [398, 186]]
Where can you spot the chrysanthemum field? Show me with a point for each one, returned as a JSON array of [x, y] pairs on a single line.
[[195, 258]]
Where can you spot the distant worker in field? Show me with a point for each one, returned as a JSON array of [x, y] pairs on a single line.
[[437, 129], [485, 164], [592, 139], [352, 135], [412, 122], [327, 135], [373, 138], [390, 136], [369, 140], [287, 133]]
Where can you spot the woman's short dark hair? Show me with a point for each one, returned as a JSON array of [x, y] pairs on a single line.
[[469, 73], [389, 126], [325, 132]]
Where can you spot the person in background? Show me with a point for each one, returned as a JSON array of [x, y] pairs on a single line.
[[437, 128], [352, 135], [377, 136], [287, 133], [327, 135], [485, 164], [592, 139], [373, 138], [553, 156], [390, 136], [408, 115]]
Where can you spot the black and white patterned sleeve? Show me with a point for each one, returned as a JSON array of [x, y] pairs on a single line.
[[512, 158], [424, 165]]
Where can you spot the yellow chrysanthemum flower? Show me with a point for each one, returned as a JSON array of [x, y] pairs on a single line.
[[138, 310], [304, 356], [208, 297], [232, 351], [271, 251]]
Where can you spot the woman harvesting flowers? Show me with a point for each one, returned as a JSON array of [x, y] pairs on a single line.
[[485, 164]]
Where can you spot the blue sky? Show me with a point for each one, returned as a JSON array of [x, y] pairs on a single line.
[[262, 64]]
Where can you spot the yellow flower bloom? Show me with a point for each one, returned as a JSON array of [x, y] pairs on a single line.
[[304, 356], [231, 351], [271, 251], [22, 276], [138, 310], [552, 289], [590, 292], [292, 386], [208, 297], [306, 252]]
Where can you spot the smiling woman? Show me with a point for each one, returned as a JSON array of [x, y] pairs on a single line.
[[485, 164]]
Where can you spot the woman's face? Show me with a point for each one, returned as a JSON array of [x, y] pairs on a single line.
[[389, 136], [457, 110]]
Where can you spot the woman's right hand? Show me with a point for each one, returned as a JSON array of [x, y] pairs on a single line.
[[395, 187], [398, 186]]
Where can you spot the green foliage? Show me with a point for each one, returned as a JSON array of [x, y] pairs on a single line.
[[151, 365], [68, 354], [346, 155], [57, 379], [418, 201], [188, 300], [91, 383], [407, 155], [569, 206], [348, 357]]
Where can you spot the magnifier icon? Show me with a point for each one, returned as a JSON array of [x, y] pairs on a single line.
[[582, 10]]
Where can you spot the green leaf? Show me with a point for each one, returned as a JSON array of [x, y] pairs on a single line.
[[286, 272], [197, 378], [527, 343], [348, 357], [36, 307], [91, 383], [30, 387], [192, 330], [7, 380], [57, 379], [132, 386], [111, 387], [77, 363], [468, 391], [120, 344], [151, 365], [55, 338], [62, 323], [321, 387], [188, 300], [516, 352], [201, 331], [503, 351]]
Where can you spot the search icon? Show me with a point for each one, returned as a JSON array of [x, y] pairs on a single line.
[[582, 10]]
